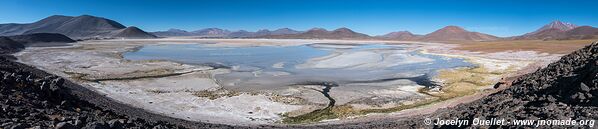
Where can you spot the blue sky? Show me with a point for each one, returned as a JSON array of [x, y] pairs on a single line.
[[501, 18]]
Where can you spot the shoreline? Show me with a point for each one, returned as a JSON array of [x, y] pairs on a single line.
[[430, 108], [302, 40]]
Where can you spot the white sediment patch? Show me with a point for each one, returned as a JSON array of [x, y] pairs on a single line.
[[244, 109], [278, 65], [171, 95], [344, 60], [365, 59], [195, 81], [334, 46]]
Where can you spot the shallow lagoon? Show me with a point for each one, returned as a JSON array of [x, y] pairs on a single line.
[[271, 67]]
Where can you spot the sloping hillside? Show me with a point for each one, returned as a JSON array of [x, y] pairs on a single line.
[[319, 33], [80, 27], [455, 33]]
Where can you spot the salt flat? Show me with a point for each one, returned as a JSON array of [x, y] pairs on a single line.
[[195, 91]]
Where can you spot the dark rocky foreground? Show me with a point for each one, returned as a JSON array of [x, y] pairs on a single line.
[[34, 98], [565, 89]]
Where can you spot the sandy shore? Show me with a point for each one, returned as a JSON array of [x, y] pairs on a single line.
[[189, 91]]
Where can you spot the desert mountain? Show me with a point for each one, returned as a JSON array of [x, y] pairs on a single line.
[[241, 34], [172, 33], [80, 27], [283, 31], [217, 32], [133, 32], [545, 34], [555, 25], [558, 30], [212, 32], [455, 33], [400, 35], [207, 32], [316, 31], [320, 33], [583, 30], [260, 33]]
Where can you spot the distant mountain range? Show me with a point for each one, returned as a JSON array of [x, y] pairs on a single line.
[[448, 33], [553, 31], [400, 35], [222, 33], [320, 33], [91, 27], [80, 27]]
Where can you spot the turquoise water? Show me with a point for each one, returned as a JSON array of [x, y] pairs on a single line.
[[255, 67], [246, 57]]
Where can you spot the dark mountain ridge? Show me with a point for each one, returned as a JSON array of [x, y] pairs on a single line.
[[9, 44], [133, 32], [80, 27]]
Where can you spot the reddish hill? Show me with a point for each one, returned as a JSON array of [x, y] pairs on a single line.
[[552, 33], [455, 33], [80, 27], [320, 33], [555, 25], [400, 35], [583, 31], [557, 30]]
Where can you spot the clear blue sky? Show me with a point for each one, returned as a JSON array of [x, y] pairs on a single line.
[[501, 18]]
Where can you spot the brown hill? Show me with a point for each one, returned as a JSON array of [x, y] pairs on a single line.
[[400, 35], [552, 33], [582, 32], [560, 31], [455, 33], [554, 25], [80, 27], [320, 33]]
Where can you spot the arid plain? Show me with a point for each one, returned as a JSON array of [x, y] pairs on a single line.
[[191, 92]]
